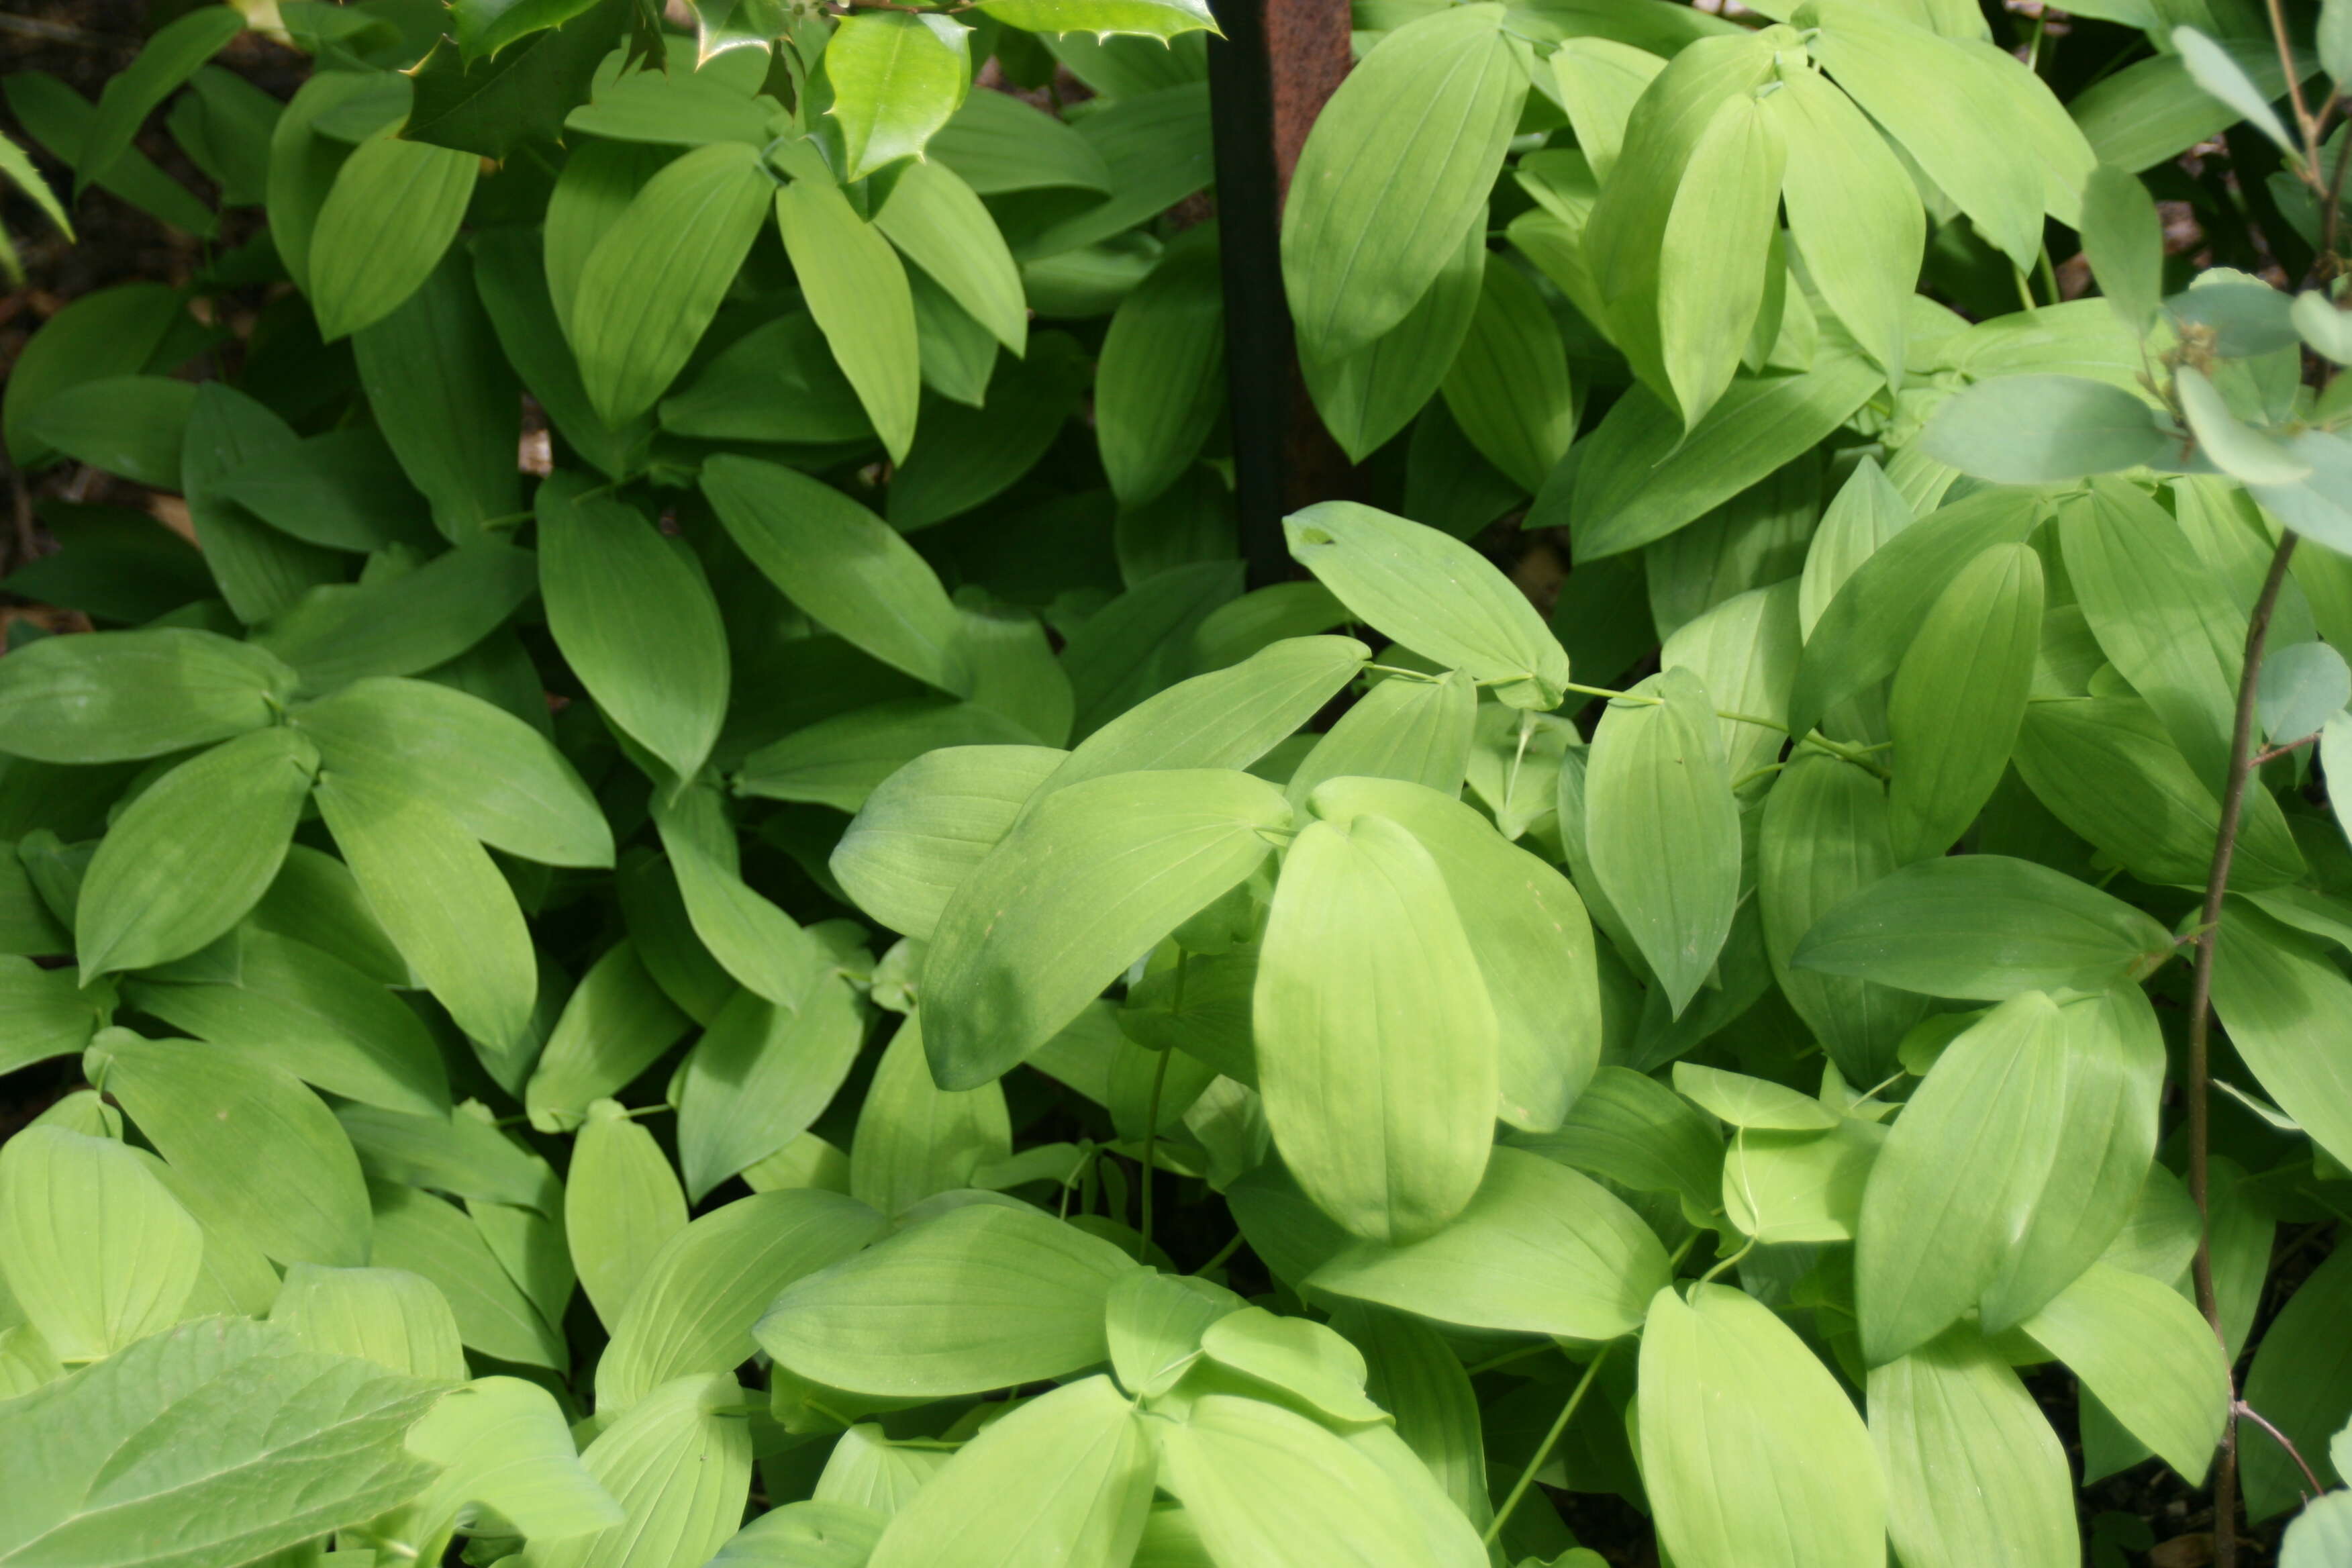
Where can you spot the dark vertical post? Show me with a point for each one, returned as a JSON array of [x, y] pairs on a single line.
[[1268, 78]]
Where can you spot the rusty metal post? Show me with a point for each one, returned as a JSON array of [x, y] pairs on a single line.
[[1271, 74]]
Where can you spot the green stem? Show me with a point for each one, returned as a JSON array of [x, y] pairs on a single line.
[[1542, 1455], [1507, 1358], [1152, 1129], [1233, 1245]]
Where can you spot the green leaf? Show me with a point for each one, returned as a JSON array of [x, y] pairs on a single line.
[[997, 143], [428, 1237], [1160, 383], [857, 288], [621, 1203], [763, 947], [1127, 860], [1641, 478], [1664, 828], [1639, 1134], [42, 1013], [445, 400], [1798, 1187], [1135, 646], [455, 1154], [1863, 635], [939, 223], [1958, 697], [485, 27], [193, 854], [255, 1148], [1414, 731], [499, 779], [389, 1316], [2302, 686], [261, 571], [1366, 396], [760, 1075], [505, 1453], [613, 1026], [394, 209], [1540, 1249], [678, 1462], [1751, 1453], [167, 59], [97, 1251], [1717, 249], [1508, 386], [2212, 68], [808, 1534], [1752, 1102], [1262, 1485], [2140, 1347], [979, 1298], [1528, 928], [649, 288], [106, 333], [494, 106], [895, 78], [2320, 1534], [2105, 767], [2034, 429], [510, 269], [2302, 1383], [1962, 1174], [1161, 19], [914, 1138], [1384, 568], [126, 696], [1397, 167], [1154, 1322], [1974, 1474], [2167, 624], [1825, 839], [925, 828], [1376, 1042], [1984, 927], [343, 490], [1854, 213], [2275, 993], [315, 1446], [637, 622], [693, 1310], [128, 425], [2124, 241], [312, 1013], [18, 167], [441, 900], [1068, 1474], [848, 570]]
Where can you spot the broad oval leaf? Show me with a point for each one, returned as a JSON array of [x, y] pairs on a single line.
[[621, 1204], [636, 621], [1958, 697], [2278, 997], [760, 1075], [2037, 429], [252, 1145], [441, 900], [501, 779], [1984, 928], [1398, 161], [678, 1462], [394, 208], [1752, 1455], [2142, 1349], [693, 1310], [1067, 1475], [657, 276], [1376, 1041], [1663, 829], [1084, 884], [193, 854], [924, 830], [980, 1297], [93, 1247], [1433, 594], [1540, 1249], [1974, 1474], [857, 288], [388, 1316], [124, 696], [895, 78]]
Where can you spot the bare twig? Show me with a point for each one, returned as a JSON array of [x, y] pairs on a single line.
[[2246, 1412], [2200, 1018]]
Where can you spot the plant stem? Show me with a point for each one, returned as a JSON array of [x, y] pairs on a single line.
[[2247, 1411], [1233, 1245], [1152, 1134], [1543, 1449], [2303, 119], [2200, 1016]]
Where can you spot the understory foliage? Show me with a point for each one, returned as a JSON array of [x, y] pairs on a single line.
[[817, 979]]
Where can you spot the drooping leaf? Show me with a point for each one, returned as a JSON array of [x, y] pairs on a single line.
[[1093, 876], [1376, 1042], [1750, 1451], [94, 1249], [980, 1297], [2152, 1361], [678, 1462], [1974, 1474], [857, 288]]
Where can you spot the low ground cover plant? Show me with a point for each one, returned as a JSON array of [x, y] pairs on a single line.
[[815, 973]]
